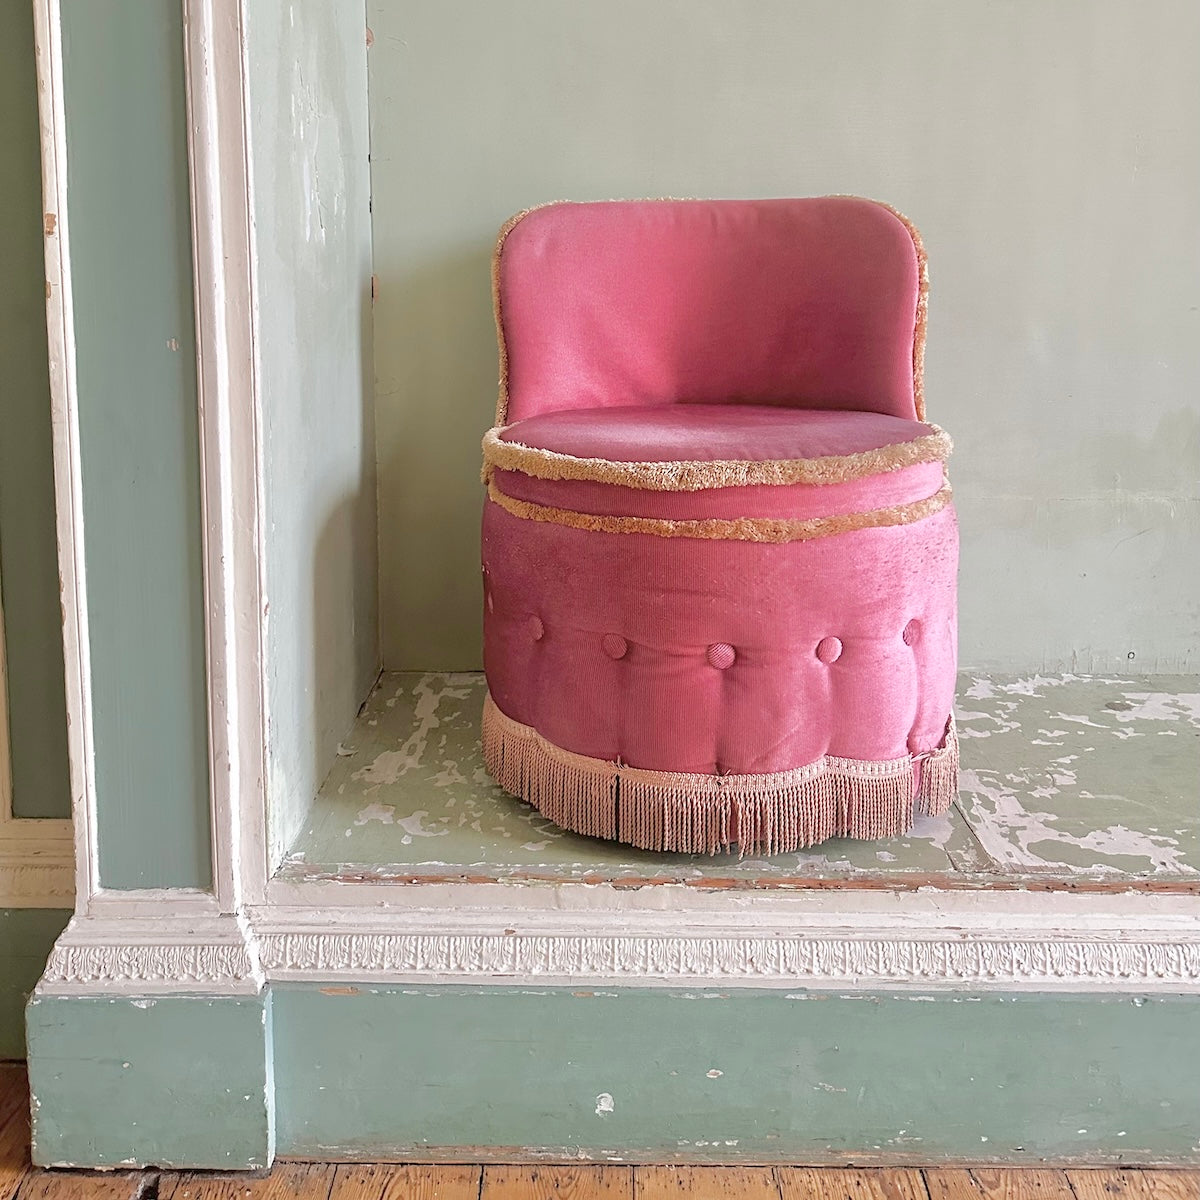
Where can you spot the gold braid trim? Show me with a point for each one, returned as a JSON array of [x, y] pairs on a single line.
[[740, 529], [918, 330], [686, 476], [922, 309]]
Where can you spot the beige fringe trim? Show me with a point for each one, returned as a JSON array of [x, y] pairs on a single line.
[[918, 331], [772, 813], [688, 476], [740, 529]]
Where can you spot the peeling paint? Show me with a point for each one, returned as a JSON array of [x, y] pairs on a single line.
[[1055, 795]]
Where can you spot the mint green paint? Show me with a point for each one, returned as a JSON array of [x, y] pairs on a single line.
[[1063, 776], [136, 370], [729, 1076], [26, 938], [707, 1075], [1046, 151], [307, 83], [180, 1081], [32, 624]]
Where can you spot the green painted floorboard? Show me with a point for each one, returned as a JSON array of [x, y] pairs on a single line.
[[1064, 777]]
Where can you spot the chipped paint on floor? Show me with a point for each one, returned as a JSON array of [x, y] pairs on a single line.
[[1063, 777]]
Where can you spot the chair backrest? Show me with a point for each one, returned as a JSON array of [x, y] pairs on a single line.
[[817, 303]]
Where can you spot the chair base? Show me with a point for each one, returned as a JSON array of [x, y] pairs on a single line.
[[771, 813]]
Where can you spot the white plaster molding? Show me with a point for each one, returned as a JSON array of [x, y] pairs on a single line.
[[210, 954], [858, 962], [818, 941], [936, 940]]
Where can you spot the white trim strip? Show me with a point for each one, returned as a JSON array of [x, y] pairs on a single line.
[[68, 486]]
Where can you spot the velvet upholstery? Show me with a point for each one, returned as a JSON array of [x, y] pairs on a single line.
[[719, 552], [807, 302]]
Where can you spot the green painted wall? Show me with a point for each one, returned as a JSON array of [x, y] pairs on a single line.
[[309, 149], [1048, 153], [136, 370], [26, 937], [32, 625], [735, 1075]]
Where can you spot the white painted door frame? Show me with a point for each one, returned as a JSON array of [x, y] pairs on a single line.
[[37, 867], [250, 929]]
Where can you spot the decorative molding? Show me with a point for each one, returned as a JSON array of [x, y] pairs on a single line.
[[829, 941], [764, 962], [153, 956]]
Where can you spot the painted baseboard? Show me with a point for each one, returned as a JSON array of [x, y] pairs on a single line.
[[711, 1074], [734, 1075]]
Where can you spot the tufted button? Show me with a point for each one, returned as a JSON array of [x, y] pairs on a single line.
[[829, 649], [537, 630], [614, 645], [721, 655], [912, 631]]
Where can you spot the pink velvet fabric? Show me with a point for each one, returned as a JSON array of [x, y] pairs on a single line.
[[704, 433], [795, 302], [843, 645], [700, 331]]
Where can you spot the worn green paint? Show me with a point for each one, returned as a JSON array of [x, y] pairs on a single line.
[[136, 372], [32, 623], [178, 1081], [1063, 776], [26, 938], [720, 1075], [1063, 354], [1094, 776], [729, 1075], [307, 84]]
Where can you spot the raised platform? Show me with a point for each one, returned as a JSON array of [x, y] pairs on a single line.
[[1086, 783]]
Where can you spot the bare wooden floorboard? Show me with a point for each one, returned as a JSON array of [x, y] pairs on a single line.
[[83, 1185], [1106, 1184], [568, 1182], [390, 1182], [288, 1181], [14, 1133], [832, 1183], [14, 1091], [705, 1183], [998, 1183]]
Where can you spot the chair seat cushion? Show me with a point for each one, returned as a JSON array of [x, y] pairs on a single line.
[[746, 472]]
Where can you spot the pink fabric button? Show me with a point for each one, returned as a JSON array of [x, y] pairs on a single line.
[[536, 629], [912, 631], [721, 655], [614, 645], [829, 649]]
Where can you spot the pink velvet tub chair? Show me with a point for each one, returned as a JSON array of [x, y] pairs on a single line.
[[719, 551]]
